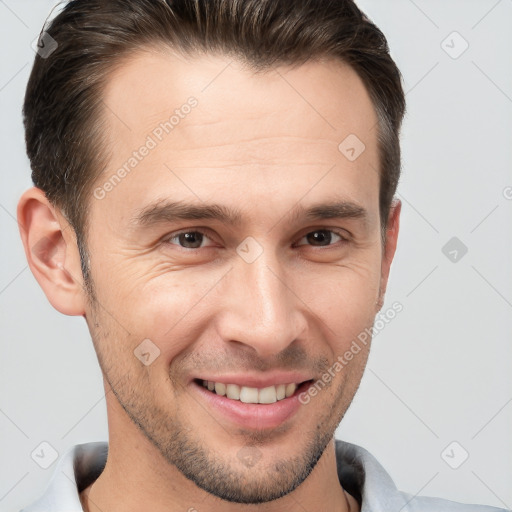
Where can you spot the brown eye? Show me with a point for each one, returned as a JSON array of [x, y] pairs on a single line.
[[321, 237], [188, 239]]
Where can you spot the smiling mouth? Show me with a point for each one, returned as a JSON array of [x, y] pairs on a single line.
[[251, 395]]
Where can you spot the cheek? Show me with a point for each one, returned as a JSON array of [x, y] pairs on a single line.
[[343, 298], [171, 309]]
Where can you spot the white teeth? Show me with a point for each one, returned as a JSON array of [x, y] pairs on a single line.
[[290, 389], [268, 395], [233, 391], [249, 395], [220, 388]]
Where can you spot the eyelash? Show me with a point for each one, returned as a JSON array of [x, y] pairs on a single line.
[[167, 240]]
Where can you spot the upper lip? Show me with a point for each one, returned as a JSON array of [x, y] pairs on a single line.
[[254, 380]]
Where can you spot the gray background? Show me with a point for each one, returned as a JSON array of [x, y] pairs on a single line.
[[438, 373]]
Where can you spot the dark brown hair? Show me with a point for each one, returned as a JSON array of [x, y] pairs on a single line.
[[63, 101]]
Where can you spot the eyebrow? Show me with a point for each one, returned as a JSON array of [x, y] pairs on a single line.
[[165, 211]]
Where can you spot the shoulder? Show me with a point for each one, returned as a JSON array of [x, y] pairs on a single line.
[[75, 471], [430, 504], [361, 475]]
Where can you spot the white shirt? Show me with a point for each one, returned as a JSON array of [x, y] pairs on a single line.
[[359, 472]]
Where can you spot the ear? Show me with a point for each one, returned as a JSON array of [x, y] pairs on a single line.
[[51, 251], [389, 248]]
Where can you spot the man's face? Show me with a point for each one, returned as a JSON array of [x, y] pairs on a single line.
[[274, 298]]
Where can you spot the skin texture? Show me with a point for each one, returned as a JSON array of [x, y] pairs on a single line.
[[262, 144]]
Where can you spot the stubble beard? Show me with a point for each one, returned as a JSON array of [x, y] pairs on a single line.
[[224, 477], [227, 477]]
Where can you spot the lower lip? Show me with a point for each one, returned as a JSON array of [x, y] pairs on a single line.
[[252, 416]]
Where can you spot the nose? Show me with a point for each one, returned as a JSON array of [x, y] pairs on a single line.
[[260, 309]]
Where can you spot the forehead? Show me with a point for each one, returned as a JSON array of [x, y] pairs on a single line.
[[281, 128], [327, 95]]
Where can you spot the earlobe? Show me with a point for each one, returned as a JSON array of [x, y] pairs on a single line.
[[389, 248], [50, 247]]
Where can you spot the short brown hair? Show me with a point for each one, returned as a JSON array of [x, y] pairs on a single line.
[[63, 100]]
